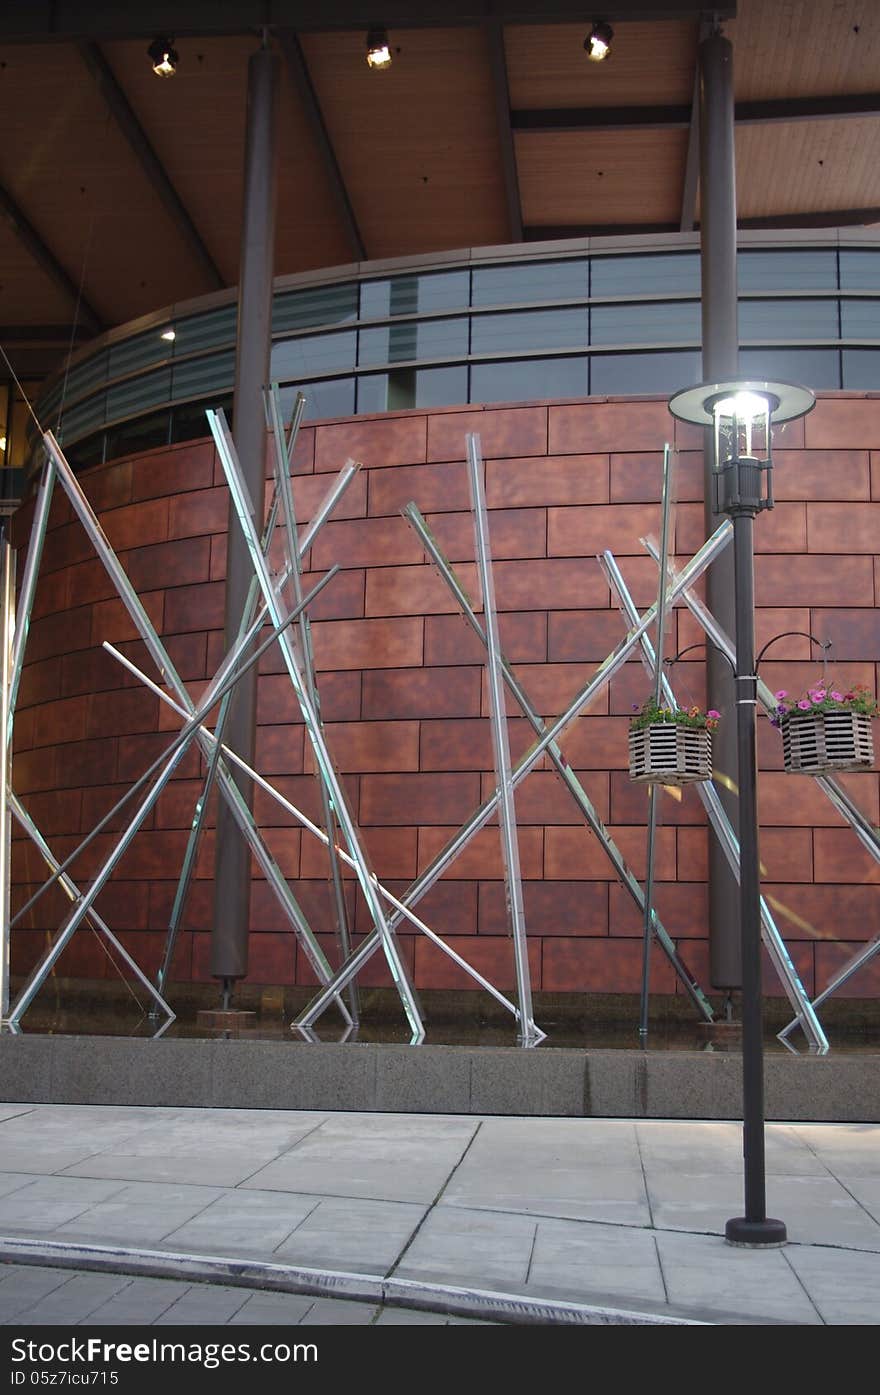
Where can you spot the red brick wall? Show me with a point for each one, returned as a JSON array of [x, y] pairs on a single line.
[[404, 696]]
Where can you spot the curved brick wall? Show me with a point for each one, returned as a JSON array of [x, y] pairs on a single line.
[[404, 696]]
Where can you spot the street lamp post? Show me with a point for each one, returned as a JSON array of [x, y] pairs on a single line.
[[741, 415]]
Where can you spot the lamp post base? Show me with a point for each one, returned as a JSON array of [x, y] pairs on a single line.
[[755, 1234]]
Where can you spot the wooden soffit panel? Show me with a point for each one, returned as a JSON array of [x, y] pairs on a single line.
[[649, 64], [805, 48], [576, 178], [808, 166], [27, 295], [418, 142]]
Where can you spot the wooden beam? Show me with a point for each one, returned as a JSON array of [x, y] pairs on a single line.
[[301, 80], [134, 133], [677, 117], [501, 95], [835, 218], [28, 235]]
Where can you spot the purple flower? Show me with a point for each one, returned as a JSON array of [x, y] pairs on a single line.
[[713, 714], [804, 705], [838, 697], [783, 693], [635, 707]]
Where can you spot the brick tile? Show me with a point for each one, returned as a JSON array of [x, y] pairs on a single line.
[[55, 811], [683, 908], [770, 621], [108, 486], [513, 533], [375, 973], [199, 905], [371, 542], [185, 467], [843, 424], [376, 442], [693, 854], [356, 644], [197, 513], [601, 965], [783, 529], [88, 581], [111, 621], [391, 851], [448, 908], [787, 580], [584, 636], [543, 480], [831, 958], [550, 689], [182, 563], [840, 857], [272, 957], [584, 532], [87, 763], [466, 743], [341, 599], [593, 742], [435, 488], [279, 749], [58, 634], [40, 682], [416, 590], [441, 798], [802, 956], [125, 906], [797, 678], [65, 546], [481, 857], [137, 524], [309, 492], [451, 692], [607, 426], [542, 798], [557, 583], [491, 956], [191, 608], [177, 802], [821, 474], [117, 714], [35, 770], [792, 800], [53, 592], [450, 640], [823, 911], [99, 801], [577, 854], [372, 746], [629, 803], [503, 431], [855, 634], [638, 477], [135, 754], [63, 720], [340, 696], [551, 908], [845, 528]]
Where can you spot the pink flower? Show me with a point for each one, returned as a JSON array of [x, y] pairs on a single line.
[[783, 693], [713, 715], [838, 697], [804, 705]]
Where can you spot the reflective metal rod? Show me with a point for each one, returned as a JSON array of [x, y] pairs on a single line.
[[320, 834], [501, 747], [73, 893], [647, 924], [606, 670], [399, 973], [283, 456], [729, 842], [569, 779], [29, 583], [7, 637]]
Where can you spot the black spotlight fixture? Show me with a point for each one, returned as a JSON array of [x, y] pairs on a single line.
[[378, 51], [598, 41], [164, 57]]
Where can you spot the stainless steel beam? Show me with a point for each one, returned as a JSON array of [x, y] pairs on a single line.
[[7, 634]]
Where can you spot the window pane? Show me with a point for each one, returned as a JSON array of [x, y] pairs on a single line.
[[332, 399], [860, 271], [860, 319], [144, 434], [674, 322], [139, 394], [87, 452], [787, 270], [815, 368], [140, 352], [652, 275], [188, 422], [408, 295], [203, 376], [92, 373], [313, 354], [81, 420], [634, 373], [529, 329], [412, 387], [508, 285], [325, 305], [410, 340], [861, 369], [206, 331], [523, 380], [788, 319]]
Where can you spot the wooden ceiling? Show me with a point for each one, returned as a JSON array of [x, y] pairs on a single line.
[[121, 192]]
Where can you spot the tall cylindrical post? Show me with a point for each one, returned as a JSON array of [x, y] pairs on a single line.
[[7, 631], [229, 939], [720, 362]]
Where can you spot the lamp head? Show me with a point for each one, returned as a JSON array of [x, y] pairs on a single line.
[[598, 41], [163, 57], [378, 50]]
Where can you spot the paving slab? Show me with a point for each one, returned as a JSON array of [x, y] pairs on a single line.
[[845, 1287], [704, 1271], [204, 1305], [243, 1223], [455, 1245], [351, 1233], [714, 1146], [78, 1298], [140, 1303], [599, 1259]]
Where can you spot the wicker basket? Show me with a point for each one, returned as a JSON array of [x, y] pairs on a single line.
[[816, 742], [668, 754]]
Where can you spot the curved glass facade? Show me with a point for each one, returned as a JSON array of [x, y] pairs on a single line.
[[538, 321]]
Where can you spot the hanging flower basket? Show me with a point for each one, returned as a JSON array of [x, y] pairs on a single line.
[[826, 731], [671, 746]]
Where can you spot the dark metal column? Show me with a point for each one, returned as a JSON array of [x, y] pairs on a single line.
[[720, 362], [232, 887]]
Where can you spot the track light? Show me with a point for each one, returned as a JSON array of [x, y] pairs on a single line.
[[598, 41], [164, 57], [378, 52]]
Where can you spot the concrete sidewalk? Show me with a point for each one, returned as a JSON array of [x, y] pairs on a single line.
[[618, 1213]]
